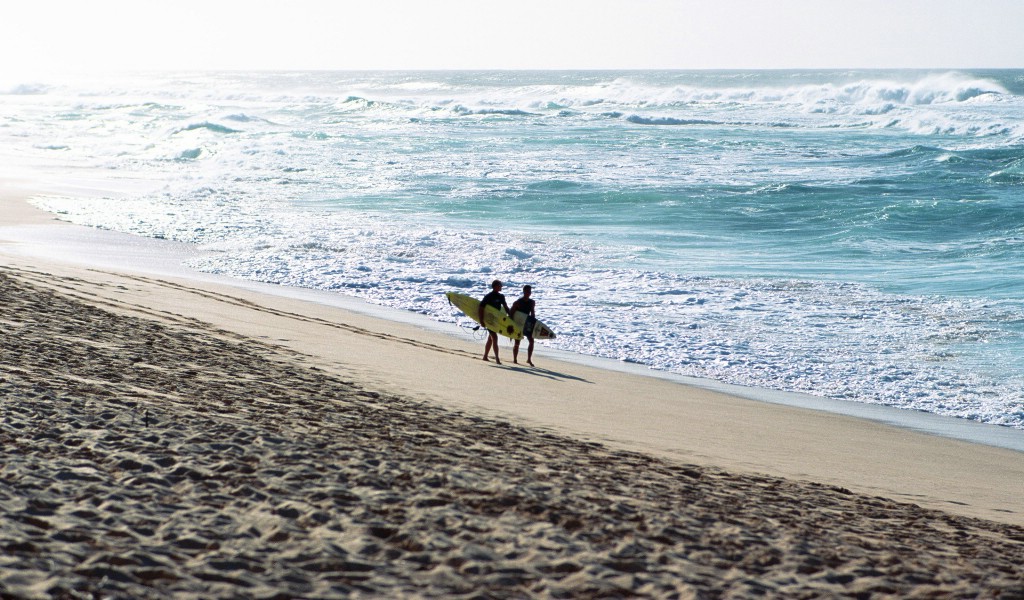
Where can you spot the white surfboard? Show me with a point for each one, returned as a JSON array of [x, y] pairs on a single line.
[[540, 330]]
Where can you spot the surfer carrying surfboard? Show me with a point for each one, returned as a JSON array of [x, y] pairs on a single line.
[[525, 304], [496, 299]]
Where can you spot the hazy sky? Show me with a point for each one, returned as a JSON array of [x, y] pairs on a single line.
[[39, 36]]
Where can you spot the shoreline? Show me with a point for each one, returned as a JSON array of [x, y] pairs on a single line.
[[727, 415], [184, 434], [32, 228]]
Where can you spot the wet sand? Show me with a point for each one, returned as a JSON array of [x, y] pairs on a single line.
[[174, 439]]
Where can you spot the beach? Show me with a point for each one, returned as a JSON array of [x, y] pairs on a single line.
[[186, 437]]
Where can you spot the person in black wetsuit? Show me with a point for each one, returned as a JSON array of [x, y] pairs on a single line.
[[496, 299], [525, 304]]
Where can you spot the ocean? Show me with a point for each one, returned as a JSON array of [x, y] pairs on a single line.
[[854, 235]]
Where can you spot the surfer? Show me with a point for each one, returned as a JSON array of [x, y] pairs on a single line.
[[496, 299], [525, 304]]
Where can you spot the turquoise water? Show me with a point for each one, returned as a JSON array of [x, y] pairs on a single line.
[[851, 234]]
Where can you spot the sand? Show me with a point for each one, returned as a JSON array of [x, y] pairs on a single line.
[[167, 437]]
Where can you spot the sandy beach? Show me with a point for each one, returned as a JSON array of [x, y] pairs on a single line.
[[184, 437]]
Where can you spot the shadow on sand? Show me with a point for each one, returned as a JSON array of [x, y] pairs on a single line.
[[545, 373]]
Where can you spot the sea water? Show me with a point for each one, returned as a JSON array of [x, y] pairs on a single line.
[[856, 235]]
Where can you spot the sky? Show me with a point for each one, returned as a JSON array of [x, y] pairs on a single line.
[[45, 36]]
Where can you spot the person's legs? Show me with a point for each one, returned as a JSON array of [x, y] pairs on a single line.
[[515, 352], [492, 341]]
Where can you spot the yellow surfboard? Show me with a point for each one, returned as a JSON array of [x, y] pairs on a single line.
[[495, 319]]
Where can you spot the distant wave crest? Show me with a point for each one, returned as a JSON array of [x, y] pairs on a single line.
[[25, 89], [867, 95], [508, 112], [214, 127], [1013, 173], [639, 120], [875, 95], [935, 89]]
